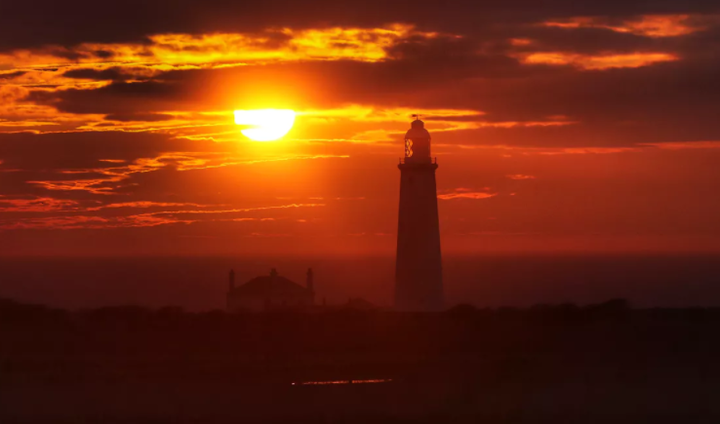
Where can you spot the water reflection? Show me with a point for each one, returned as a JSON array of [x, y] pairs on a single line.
[[333, 382]]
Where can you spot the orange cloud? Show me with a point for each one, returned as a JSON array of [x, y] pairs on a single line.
[[521, 177], [520, 41], [648, 25], [548, 150], [144, 205], [598, 62], [465, 193], [181, 161], [149, 219], [90, 185], [235, 210], [165, 52], [44, 69], [582, 150], [684, 145], [366, 113], [87, 222], [515, 124], [38, 204], [101, 185], [394, 121]]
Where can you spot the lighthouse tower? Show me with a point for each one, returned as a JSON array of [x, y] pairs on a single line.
[[418, 266]]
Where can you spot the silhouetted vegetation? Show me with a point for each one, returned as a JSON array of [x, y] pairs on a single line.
[[547, 363]]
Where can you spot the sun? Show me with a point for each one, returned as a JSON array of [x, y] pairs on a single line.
[[265, 124]]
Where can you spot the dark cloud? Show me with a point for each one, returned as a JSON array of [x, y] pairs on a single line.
[[674, 101], [590, 41], [104, 54], [140, 117], [414, 66], [67, 53], [110, 161], [116, 98], [12, 75], [447, 58], [71, 151], [71, 22], [115, 74]]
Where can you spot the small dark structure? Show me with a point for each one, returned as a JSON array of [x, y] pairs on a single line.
[[270, 292]]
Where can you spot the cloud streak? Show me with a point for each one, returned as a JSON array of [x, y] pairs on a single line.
[[648, 25], [599, 62], [465, 193], [147, 219]]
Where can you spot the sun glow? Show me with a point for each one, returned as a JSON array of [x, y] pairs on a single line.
[[265, 124]]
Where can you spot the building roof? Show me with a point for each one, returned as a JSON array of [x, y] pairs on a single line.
[[270, 285]]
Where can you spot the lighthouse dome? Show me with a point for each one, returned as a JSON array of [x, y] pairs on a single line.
[[417, 130]]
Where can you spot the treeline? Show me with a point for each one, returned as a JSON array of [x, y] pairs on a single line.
[[13, 312]]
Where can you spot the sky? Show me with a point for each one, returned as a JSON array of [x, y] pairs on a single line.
[[559, 126]]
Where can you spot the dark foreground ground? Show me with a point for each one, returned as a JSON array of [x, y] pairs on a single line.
[[560, 364]]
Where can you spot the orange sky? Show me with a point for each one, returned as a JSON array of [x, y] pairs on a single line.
[[555, 130]]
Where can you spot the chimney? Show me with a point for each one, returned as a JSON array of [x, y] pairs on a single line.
[[309, 281], [231, 280], [273, 277]]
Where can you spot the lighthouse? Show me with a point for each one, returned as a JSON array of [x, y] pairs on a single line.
[[418, 264]]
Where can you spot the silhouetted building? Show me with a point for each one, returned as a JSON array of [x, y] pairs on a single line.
[[418, 266], [269, 292]]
